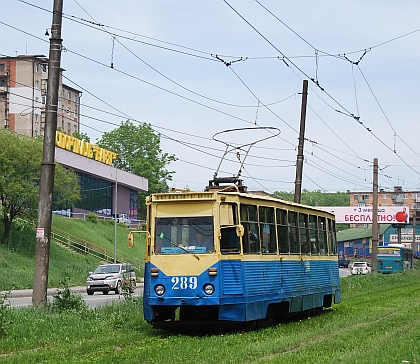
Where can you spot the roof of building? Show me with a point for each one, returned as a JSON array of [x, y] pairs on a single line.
[[359, 233]]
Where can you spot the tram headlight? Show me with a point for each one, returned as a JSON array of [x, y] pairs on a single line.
[[208, 289], [159, 290]]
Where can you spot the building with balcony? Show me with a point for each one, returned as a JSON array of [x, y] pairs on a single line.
[[23, 93], [408, 199]]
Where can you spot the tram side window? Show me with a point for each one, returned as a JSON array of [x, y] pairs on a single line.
[[293, 232], [249, 220], [304, 234], [267, 230], [332, 241], [282, 231], [313, 236], [322, 235]]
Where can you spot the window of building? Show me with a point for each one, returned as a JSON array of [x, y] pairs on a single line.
[[36, 67], [3, 83], [68, 95], [37, 84], [385, 197], [356, 197], [44, 67], [96, 195], [75, 97], [405, 196], [365, 197], [36, 118], [44, 100], [68, 111], [2, 68]]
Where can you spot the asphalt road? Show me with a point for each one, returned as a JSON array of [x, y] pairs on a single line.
[[23, 298]]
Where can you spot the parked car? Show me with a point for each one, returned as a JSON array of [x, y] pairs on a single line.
[[361, 268], [111, 277], [122, 218]]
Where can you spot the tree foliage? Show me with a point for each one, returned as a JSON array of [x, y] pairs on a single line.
[[317, 198], [139, 152], [20, 173]]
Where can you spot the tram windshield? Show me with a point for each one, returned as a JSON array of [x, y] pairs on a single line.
[[183, 235]]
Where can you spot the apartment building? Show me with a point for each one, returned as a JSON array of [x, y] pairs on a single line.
[[408, 199], [23, 93]]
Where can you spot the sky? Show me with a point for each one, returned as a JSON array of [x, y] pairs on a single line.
[[222, 81]]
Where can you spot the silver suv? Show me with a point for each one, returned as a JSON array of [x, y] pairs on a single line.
[[111, 277]]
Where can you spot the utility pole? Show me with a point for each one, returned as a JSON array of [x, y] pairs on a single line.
[[43, 234], [375, 236], [299, 161], [413, 244]]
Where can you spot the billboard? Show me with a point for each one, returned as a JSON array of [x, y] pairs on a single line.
[[363, 214]]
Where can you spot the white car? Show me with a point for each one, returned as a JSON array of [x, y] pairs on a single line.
[[360, 268]]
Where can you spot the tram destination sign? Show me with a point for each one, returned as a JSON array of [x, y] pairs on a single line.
[[363, 214]]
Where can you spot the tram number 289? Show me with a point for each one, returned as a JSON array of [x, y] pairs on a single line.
[[184, 282]]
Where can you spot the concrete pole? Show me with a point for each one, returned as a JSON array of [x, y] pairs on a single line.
[[413, 244], [375, 236], [42, 251], [299, 160]]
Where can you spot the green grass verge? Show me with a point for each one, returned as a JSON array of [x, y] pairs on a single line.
[[378, 321], [17, 257]]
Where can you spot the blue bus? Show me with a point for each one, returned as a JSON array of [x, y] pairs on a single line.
[[394, 258], [227, 255]]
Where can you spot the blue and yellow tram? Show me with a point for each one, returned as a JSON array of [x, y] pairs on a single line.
[[234, 256]]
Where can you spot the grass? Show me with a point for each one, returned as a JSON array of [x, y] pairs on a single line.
[[17, 256], [378, 321]]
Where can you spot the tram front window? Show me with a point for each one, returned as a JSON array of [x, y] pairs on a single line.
[[183, 235]]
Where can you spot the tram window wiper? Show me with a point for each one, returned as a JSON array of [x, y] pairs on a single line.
[[162, 236]]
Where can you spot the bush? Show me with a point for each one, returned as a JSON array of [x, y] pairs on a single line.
[[66, 300], [91, 217], [4, 314]]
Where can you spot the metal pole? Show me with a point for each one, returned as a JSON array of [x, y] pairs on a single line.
[[299, 161], [375, 229], [42, 251], [115, 216]]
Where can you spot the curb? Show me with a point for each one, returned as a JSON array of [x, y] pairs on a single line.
[[50, 291]]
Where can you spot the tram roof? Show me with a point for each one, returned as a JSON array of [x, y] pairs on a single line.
[[234, 191]]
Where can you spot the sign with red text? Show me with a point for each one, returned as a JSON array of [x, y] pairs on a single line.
[[363, 214]]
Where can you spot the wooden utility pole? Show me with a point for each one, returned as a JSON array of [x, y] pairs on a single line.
[[299, 160], [375, 235], [43, 232]]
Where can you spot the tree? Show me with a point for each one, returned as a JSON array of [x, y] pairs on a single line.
[[20, 173], [138, 152], [317, 198]]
